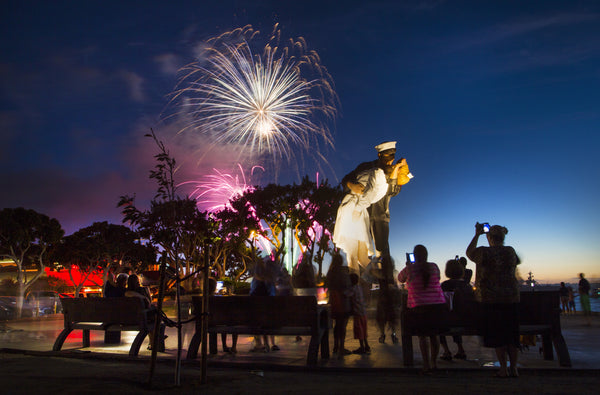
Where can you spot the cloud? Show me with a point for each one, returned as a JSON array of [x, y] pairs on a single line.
[[135, 84], [516, 28], [520, 45], [168, 63]]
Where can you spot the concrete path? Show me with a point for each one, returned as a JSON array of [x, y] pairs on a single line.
[[39, 335]]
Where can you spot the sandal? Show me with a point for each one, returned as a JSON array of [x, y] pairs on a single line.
[[460, 355], [446, 356]]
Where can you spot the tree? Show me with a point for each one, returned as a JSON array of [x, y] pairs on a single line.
[[315, 218], [176, 226], [237, 226], [172, 224], [308, 209], [93, 249], [26, 237]]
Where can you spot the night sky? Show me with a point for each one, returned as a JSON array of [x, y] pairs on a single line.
[[494, 104]]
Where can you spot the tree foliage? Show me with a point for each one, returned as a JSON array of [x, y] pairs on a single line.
[[93, 249], [26, 237], [172, 224], [306, 208], [176, 226]]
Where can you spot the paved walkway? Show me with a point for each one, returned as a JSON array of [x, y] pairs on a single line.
[[39, 335], [103, 369]]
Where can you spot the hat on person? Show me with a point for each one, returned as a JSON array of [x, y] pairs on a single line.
[[386, 146]]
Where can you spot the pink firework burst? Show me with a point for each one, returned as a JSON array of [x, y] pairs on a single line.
[[214, 192]]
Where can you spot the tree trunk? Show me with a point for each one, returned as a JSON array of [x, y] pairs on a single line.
[[20, 299]]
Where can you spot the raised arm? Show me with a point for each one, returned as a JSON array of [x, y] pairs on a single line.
[[350, 182], [473, 244]]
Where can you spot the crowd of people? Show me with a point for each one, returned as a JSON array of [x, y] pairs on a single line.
[[429, 300], [494, 295], [361, 234]]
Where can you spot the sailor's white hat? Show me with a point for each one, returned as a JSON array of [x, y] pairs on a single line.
[[388, 145]]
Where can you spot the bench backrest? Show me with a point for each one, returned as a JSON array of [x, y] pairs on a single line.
[[126, 311], [539, 307], [535, 308], [260, 311]]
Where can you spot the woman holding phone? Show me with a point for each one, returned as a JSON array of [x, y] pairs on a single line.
[[426, 304], [497, 289]]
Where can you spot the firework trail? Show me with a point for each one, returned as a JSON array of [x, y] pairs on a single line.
[[216, 190], [275, 105]]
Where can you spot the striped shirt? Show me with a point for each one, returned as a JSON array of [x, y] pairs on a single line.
[[417, 295]]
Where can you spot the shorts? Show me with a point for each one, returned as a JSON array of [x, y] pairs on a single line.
[[360, 327]]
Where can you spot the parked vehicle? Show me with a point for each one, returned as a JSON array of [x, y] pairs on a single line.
[[44, 302], [8, 308]]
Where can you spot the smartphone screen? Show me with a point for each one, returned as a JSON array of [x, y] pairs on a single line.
[[410, 257], [486, 228]]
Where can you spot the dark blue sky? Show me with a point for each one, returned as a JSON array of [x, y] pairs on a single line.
[[495, 105]]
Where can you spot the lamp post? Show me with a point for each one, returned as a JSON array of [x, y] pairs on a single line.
[[531, 281]]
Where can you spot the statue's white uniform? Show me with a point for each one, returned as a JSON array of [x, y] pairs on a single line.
[[347, 233]]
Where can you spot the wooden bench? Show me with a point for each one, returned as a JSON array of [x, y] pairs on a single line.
[[539, 314], [109, 315], [264, 315]]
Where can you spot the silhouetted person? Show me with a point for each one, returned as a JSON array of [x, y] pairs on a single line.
[[563, 291], [304, 281], [118, 289], [462, 305], [212, 290], [426, 305], [338, 287], [304, 275], [135, 289], [572, 308], [468, 272], [359, 316], [263, 284], [388, 301], [497, 289], [584, 297]]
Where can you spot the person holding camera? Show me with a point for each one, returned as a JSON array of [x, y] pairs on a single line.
[[426, 305], [497, 289]]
